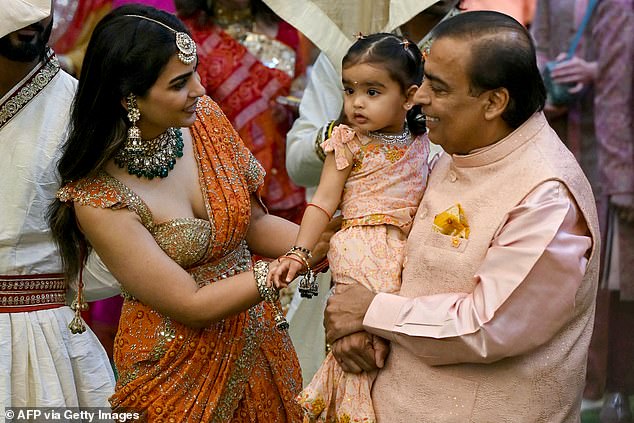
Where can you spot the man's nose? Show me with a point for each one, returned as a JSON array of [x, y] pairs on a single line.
[[421, 96]]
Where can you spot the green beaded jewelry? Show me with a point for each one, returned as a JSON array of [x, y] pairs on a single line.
[[155, 157]]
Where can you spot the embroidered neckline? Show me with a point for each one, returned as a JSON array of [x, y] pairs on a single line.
[[39, 78]]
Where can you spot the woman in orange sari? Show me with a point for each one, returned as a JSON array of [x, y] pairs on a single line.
[[159, 184]]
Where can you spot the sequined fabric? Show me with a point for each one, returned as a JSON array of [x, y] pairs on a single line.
[[246, 89], [240, 369]]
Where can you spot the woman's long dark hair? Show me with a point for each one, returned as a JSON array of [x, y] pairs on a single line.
[[126, 54], [400, 57]]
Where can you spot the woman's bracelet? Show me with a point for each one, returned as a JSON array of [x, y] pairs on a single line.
[[301, 257], [303, 250], [269, 294]]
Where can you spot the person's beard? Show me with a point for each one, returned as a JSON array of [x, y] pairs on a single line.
[[26, 50]]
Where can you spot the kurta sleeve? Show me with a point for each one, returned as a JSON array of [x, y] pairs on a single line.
[[525, 290]]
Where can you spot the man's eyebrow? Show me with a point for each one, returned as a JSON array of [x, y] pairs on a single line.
[[434, 78]]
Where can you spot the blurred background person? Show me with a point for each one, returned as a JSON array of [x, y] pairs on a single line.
[[611, 364], [554, 26], [522, 10]]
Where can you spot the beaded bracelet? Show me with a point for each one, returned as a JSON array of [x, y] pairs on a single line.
[[304, 250], [269, 294]]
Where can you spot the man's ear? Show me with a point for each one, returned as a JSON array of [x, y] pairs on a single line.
[[409, 95], [496, 103]]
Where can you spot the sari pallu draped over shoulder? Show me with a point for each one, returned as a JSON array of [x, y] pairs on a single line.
[[240, 369]]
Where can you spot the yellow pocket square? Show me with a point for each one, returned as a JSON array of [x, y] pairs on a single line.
[[452, 222]]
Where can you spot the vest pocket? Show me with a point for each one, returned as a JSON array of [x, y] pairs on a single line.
[[447, 242]]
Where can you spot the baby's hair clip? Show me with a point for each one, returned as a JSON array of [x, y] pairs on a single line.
[[425, 53], [405, 44], [359, 35]]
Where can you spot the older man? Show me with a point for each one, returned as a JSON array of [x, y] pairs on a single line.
[[41, 363], [496, 308]]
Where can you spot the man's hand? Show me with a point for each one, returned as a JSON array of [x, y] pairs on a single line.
[[345, 311], [360, 351]]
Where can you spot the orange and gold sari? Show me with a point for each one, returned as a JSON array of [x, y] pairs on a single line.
[[240, 369]]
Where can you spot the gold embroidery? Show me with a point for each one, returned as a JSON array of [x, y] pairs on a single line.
[[40, 79]]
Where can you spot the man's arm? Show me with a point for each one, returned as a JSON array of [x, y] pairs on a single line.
[[525, 292], [322, 102]]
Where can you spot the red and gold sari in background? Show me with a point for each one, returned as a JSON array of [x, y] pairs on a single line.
[[240, 369], [246, 91]]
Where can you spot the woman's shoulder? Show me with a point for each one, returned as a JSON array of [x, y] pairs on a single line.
[[99, 190], [211, 116]]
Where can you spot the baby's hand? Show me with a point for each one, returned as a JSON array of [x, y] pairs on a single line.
[[282, 271]]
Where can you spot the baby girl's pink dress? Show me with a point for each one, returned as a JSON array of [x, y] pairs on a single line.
[[379, 202]]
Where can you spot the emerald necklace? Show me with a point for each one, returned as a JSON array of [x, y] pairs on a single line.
[[155, 157]]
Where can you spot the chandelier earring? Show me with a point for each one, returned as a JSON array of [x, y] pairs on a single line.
[[133, 142]]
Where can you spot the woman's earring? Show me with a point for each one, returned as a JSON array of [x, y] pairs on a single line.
[[133, 143]]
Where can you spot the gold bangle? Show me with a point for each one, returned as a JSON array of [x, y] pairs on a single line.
[[269, 294], [301, 257]]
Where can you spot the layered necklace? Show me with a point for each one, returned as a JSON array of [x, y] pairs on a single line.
[[392, 139], [155, 157]]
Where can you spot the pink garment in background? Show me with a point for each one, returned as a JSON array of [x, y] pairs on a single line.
[[521, 10], [166, 5]]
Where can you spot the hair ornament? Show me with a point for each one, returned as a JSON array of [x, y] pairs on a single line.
[[359, 36], [405, 43], [184, 43], [425, 52]]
